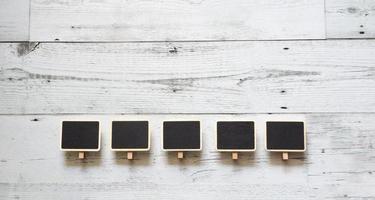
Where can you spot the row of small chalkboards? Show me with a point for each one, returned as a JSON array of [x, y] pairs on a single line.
[[181, 136]]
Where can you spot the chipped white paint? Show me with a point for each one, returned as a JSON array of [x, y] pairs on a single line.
[[198, 77], [339, 163], [350, 19], [14, 20], [171, 20]]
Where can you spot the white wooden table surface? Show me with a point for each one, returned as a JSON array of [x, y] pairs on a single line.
[[210, 60]]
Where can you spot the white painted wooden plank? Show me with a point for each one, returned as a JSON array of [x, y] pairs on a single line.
[[215, 77], [14, 20], [171, 20], [339, 163], [350, 19]]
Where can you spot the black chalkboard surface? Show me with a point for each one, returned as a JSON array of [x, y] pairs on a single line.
[[130, 135], [181, 135], [285, 136], [235, 136], [80, 135]]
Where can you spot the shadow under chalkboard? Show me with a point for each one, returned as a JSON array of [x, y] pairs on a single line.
[[92, 158], [141, 158], [245, 158], [190, 158], [295, 158]]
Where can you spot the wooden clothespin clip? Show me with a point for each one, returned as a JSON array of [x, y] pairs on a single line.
[[81, 155], [234, 155], [285, 156], [180, 155], [130, 155]]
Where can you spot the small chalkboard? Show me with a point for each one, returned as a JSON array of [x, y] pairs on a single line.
[[285, 136], [80, 136], [181, 136], [130, 136], [233, 136]]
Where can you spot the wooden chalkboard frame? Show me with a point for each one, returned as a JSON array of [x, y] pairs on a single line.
[[236, 150], [132, 150], [286, 150], [81, 150], [181, 150]]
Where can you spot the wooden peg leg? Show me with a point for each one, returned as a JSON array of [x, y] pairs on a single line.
[[234, 155], [285, 156], [130, 155], [81, 155], [180, 155]]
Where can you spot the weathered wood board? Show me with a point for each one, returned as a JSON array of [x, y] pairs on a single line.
[[188, 77], [172, 20], [185, 20], [339, 163], [14, 20], [350, 19], [329, 84]]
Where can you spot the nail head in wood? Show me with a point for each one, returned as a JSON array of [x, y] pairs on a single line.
[[180, 155], [285, 156], [234, 155], [81, 155]]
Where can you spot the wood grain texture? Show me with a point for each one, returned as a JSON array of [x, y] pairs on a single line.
[[331, 84], [171, 20], [214, 77], [14, 20], [350, 19], [339, 163]]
